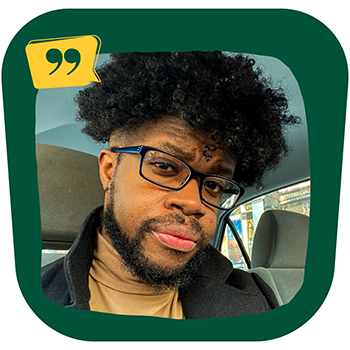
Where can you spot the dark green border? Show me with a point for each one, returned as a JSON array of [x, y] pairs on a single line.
[[300, 41]]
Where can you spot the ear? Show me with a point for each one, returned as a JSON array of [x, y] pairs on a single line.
[[106, 161]]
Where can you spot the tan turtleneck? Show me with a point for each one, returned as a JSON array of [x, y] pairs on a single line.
[[114, 290]]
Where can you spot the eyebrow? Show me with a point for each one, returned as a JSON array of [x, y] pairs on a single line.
[[187, 156], [227, 171]]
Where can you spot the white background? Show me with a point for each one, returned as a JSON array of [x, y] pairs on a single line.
[[20, 326]]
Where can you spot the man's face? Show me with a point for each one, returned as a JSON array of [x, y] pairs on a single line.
[[167, 227]]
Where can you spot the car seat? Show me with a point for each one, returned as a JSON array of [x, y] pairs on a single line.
[[69, 188], [279, 251]]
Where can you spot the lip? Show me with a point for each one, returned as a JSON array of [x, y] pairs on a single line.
[[176, 239]]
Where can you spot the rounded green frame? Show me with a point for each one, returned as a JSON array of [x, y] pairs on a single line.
[[300, 41]]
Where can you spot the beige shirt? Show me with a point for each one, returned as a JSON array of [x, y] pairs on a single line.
[[114, 290]]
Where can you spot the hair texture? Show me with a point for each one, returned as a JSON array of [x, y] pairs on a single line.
[[225, 95]]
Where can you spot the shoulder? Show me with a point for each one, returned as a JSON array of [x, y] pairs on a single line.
[[54, 284], [240, 279], [219, 290]]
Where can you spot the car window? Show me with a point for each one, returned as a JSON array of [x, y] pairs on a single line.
[[50, 255], [244, 219]]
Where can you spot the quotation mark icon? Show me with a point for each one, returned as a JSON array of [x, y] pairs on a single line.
[[70, 56], [63, 62]]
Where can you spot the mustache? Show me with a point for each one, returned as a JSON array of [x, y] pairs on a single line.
[[151, 224]]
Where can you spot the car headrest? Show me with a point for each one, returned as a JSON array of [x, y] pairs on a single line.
[[69, 188], [280, 240]]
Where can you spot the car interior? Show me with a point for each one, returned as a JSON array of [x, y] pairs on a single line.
[[69, 188], [270, 241], [279, 251]]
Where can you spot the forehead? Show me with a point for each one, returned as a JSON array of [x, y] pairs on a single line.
[[174, 135]]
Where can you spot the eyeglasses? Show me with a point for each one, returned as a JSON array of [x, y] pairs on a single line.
[[169, 171]]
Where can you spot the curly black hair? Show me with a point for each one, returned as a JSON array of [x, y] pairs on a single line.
[[225, 95]]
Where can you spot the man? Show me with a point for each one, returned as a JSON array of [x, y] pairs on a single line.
[[185, 132]]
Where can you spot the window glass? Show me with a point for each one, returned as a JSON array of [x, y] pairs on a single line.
[[231, 250], [50, 255], [245, 218]]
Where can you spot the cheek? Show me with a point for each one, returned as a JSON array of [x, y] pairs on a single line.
[[142, 198], [211, 224], [134, 200]]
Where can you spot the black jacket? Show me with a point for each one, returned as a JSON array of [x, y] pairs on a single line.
[[218, 291]]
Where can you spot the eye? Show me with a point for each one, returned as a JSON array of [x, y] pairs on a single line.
[[163, 167], [157, 163], [215, 187]]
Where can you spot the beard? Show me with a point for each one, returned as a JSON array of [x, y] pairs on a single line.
[[131, 251]]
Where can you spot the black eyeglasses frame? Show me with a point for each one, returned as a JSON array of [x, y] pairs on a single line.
[[142, 150]]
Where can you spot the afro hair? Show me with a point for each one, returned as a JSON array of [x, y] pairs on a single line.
[[225, 95]]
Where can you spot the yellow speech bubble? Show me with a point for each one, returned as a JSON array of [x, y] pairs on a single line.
[[63, 62]]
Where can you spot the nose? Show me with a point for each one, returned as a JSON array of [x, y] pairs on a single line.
[[187, 199]]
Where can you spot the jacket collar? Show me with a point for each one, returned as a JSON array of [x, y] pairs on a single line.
[[78, 260]]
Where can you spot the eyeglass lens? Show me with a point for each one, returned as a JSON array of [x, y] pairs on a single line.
[[169, 171]]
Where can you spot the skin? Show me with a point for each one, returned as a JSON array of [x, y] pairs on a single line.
[[136, 199]]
